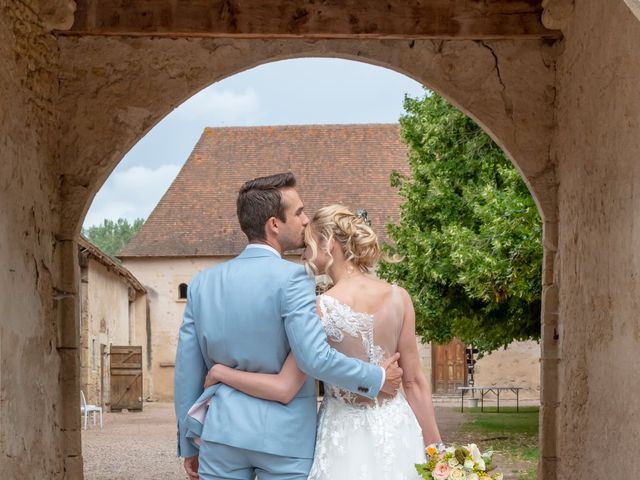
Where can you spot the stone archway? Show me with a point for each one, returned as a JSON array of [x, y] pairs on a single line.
[[114, 90], [506, 86], [634, 5], [71, 107], [566, 114]]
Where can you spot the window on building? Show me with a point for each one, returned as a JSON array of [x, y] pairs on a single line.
[[182, 291]]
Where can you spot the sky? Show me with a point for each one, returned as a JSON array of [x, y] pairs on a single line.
[[289, 92]]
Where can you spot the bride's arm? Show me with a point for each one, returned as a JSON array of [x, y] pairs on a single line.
[[279, 387], [416, 386]]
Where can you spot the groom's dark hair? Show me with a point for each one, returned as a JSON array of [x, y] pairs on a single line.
[[259, 200]]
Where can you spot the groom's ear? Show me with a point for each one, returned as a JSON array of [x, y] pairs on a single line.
[[271, 226]]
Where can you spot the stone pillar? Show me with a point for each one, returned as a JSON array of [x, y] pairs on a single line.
[[34, 358], [550, 356], [597, 146], [67, 307]]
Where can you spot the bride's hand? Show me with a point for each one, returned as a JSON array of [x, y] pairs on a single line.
[[212, 377]]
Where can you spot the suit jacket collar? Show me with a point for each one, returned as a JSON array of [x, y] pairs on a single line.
[[257, 253]]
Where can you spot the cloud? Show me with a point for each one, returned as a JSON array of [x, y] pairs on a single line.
[[131, 193], [215, 106]]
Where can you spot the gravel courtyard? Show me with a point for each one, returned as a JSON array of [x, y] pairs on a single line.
[[134, 445], [142, 445]]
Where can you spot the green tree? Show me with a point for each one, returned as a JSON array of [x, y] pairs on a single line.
[[110, 236], [469, 232]]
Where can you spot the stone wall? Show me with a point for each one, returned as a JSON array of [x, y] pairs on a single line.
[[518, 365], [33, 298], [105, 322], [597, 150]]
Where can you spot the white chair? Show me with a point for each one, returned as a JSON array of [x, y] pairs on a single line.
[[85, 410]]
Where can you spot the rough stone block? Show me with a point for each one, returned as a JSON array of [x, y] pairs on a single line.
[[548, 430], [69, 389], [550, 303], [549, 386], [67, 318], [548, 267], [550, 235], [73, 467], [547, 468], [68, 279], [72, 440]]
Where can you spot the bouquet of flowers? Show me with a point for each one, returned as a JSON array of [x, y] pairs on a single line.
[[457, 463]]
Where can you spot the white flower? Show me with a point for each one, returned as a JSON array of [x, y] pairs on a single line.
[[475, 452], [472, 476], [458, 473], [481, 465], [468, 464], [453, 462]]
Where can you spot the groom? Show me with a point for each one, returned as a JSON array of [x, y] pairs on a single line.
[[248, 313]]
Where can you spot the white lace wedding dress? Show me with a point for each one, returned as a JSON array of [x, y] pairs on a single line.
[[361, 439]]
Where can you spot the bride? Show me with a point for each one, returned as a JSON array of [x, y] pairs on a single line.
[[368, 319]]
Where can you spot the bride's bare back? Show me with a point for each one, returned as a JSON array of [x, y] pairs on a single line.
[[364, 303]]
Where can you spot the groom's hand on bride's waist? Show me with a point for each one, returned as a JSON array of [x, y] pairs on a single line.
[[393, 375]]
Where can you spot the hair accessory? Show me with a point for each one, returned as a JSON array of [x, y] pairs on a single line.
[[362, 214]]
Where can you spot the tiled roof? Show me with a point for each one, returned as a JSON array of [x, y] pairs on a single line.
[[347, 164], [88, 249]]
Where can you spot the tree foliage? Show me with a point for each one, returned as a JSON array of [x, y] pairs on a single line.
[[469, 232], [110, 236]]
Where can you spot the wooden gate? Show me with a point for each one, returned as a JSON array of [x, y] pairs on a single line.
[[126, 377], [448, 367]]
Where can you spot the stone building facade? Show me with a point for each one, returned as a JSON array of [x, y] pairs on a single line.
[[113, 311], [80, 85], [195, 227]]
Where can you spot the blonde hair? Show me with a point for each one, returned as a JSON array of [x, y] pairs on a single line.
[[356, 238]]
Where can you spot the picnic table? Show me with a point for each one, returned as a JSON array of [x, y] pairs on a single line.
[[491, 389]]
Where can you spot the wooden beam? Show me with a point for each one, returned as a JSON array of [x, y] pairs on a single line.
[[392, 19]]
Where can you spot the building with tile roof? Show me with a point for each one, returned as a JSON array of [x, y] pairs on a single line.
[[348, 164], [194, 226]]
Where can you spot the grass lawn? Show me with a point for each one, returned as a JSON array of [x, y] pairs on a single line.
[[513, 436]]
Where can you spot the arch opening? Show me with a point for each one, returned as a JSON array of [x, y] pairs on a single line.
[[511, 158]]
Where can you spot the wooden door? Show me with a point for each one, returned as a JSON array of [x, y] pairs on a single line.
[[126, 377], [448, 367]]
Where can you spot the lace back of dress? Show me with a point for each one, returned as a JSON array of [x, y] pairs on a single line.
[[370, 337]]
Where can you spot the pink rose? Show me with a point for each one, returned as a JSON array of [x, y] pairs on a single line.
[[441, 471]]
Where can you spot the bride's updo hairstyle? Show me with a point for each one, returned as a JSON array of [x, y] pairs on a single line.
[[356, 238]]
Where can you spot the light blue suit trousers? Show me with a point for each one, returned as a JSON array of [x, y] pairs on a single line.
[[249, 313]]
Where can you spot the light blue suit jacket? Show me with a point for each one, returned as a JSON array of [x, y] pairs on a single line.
[[249, 313]]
